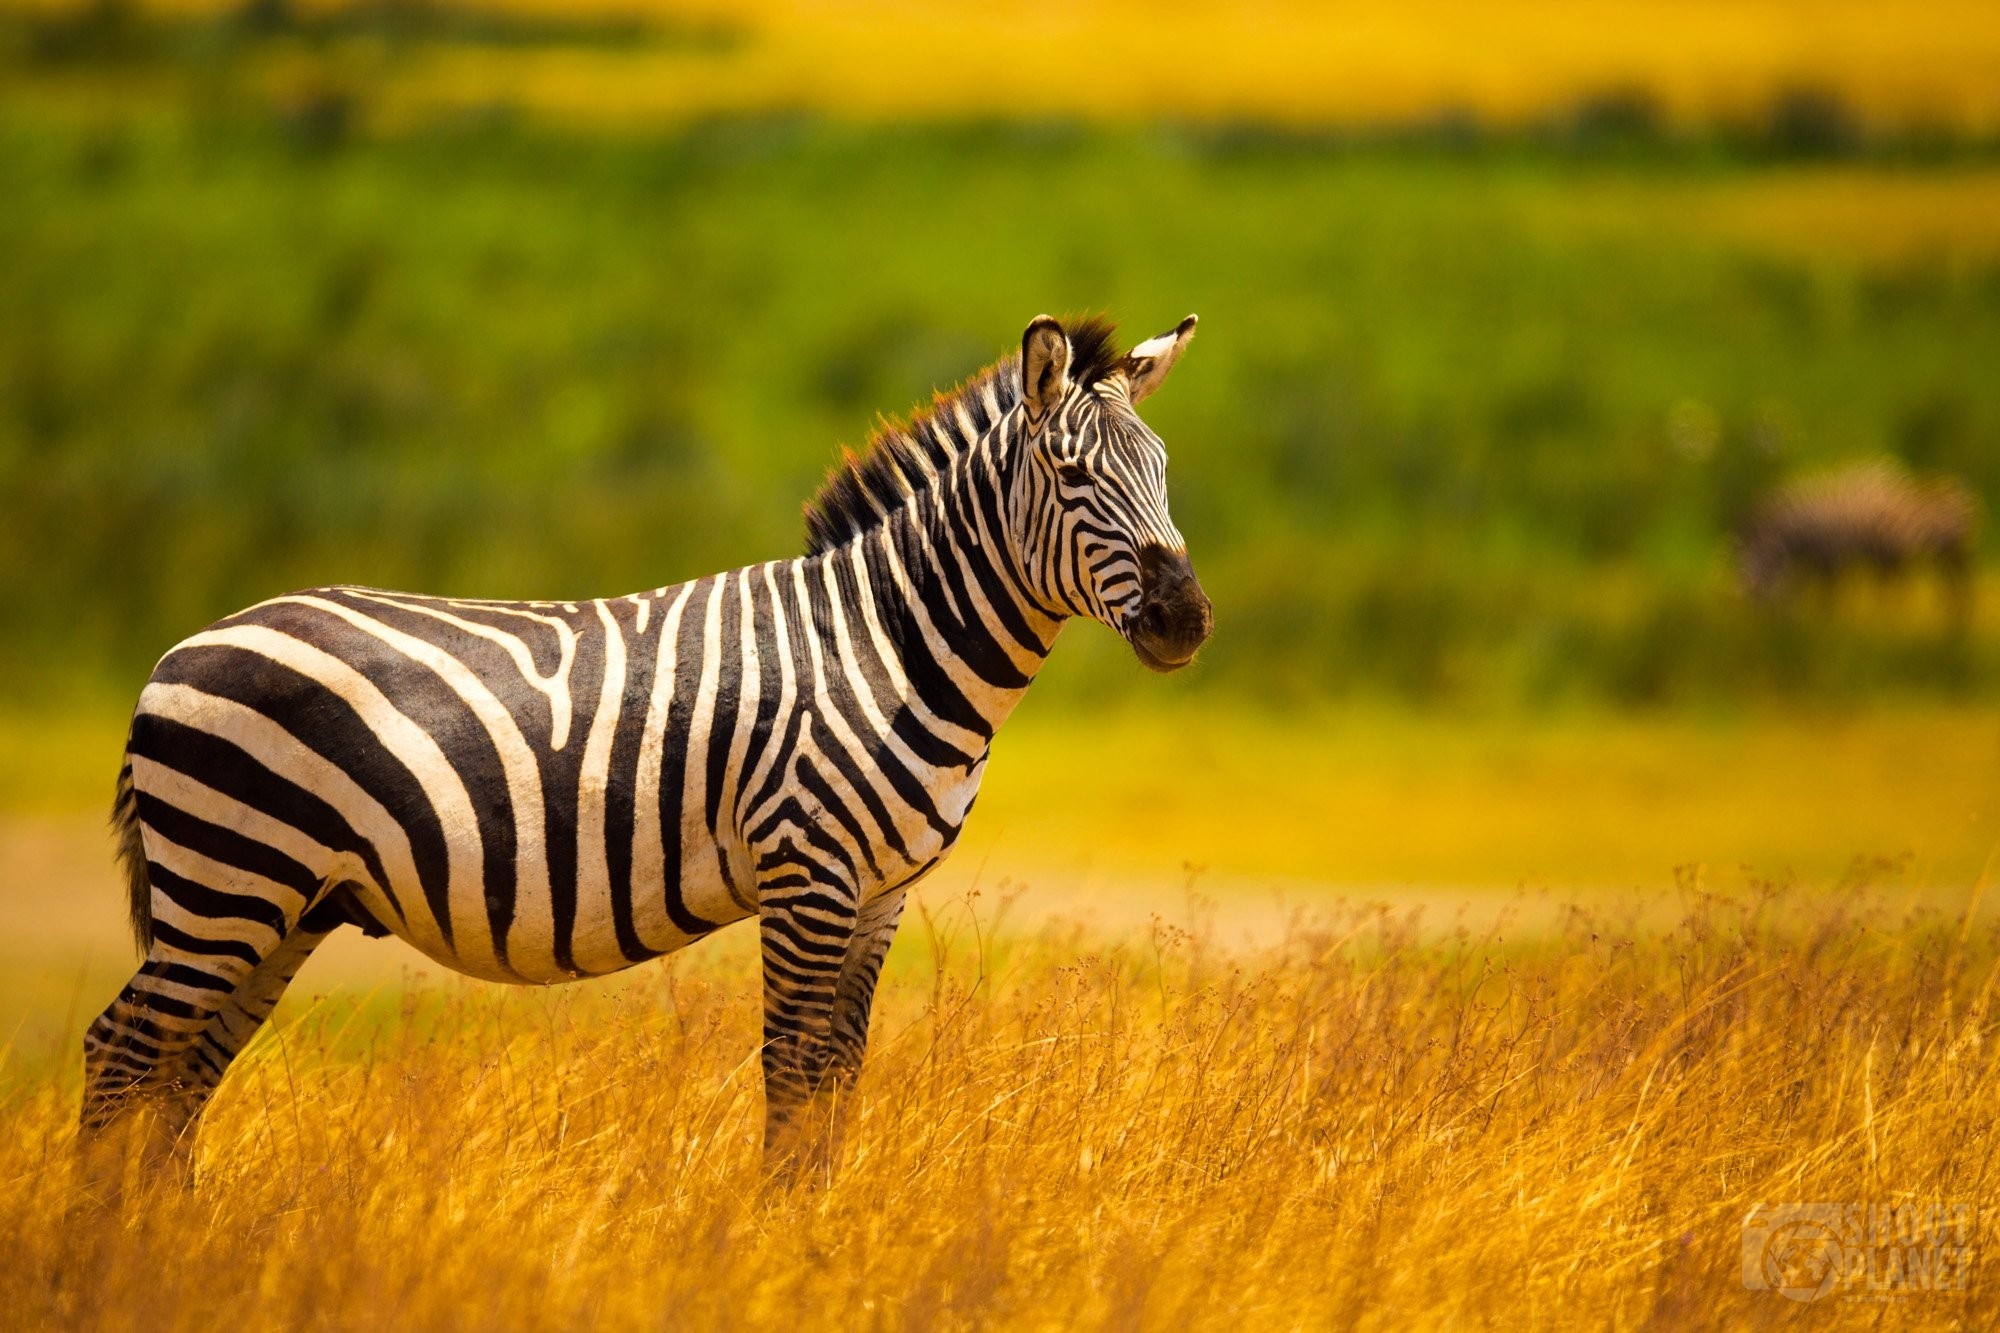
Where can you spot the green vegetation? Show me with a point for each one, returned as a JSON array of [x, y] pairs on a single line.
[[1468, 425]]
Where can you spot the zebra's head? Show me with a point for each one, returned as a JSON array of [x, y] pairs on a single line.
[[1089, 501]]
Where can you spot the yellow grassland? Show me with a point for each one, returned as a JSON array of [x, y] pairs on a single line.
[[1347, 799], [1231, 822], [1538, 1083], [1281, 61], [1357, 1125]]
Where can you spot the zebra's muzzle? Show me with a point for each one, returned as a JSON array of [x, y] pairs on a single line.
[[1173, 618]]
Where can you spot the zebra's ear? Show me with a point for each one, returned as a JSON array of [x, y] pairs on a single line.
[[1044, 366], [1147, 364]]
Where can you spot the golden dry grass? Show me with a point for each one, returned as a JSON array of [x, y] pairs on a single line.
[[1529, 1115], [1369, 1122]]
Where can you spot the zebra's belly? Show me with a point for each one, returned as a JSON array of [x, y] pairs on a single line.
[[546, 944], [570, 908]]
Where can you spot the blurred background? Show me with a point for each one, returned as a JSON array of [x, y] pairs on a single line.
[[1514, 320]]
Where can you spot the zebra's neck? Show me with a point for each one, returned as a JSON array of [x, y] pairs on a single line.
[[945, 584]]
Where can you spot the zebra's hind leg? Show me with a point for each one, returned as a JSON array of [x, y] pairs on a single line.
[[135, 1102], [152, 1058], [225, 1035]]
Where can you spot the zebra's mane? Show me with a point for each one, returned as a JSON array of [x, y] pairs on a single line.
[[903, 459]]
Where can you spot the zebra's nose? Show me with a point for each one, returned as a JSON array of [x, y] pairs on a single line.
[[1174, 617]]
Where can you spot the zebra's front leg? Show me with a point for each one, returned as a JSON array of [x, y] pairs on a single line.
[[854, 999], [807, 924]]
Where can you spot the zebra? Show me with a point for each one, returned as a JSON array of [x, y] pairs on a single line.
[[1870, 515], [533, 792]]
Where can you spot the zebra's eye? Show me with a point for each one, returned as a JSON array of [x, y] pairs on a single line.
[[1072, 474]]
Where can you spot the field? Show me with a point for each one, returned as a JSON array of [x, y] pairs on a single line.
[[1364, 1122], [1351, 1076]]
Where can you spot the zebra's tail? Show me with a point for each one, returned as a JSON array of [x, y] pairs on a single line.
[[132, 855]]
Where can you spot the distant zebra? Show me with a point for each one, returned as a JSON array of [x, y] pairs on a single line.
[[536, 791], [1867, 516]]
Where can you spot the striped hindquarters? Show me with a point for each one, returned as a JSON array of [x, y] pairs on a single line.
[[495, 782]]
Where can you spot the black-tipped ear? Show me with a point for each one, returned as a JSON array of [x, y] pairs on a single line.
[[1044, 366], [1146, 365]]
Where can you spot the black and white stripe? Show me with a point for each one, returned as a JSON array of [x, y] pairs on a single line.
[[537, 791]]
